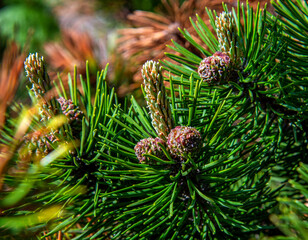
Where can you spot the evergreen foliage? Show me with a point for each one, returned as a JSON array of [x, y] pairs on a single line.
[[198, 162], [292, 220]]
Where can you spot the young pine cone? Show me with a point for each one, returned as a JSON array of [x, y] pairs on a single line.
[[71, 111], [215, 69], [73, 114], [149, 146], [36, 144], [183, 141]]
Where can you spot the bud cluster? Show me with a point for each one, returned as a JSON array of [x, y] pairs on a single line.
[[181, 141], [223, 65]]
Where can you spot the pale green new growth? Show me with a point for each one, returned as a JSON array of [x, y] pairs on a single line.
[[227, 38], [157, 101], [35, 68]]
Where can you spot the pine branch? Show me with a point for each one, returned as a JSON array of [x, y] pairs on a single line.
[[292, 218], [198, 165]]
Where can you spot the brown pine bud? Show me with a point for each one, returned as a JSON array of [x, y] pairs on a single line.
[[215, 69], [183, 141], [71, 111], [149, 146], [73, 114]]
